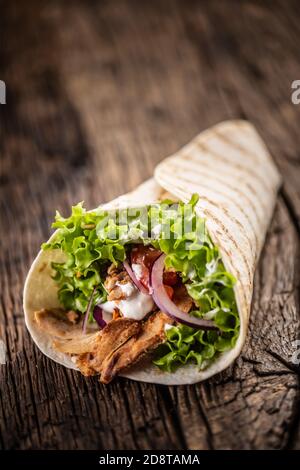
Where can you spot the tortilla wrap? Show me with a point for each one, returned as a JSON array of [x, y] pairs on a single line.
[[231, 169]]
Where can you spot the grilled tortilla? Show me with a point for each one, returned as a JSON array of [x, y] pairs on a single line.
[[231, 170]]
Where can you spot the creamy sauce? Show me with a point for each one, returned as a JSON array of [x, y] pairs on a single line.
[[138, 270], [127, 289], [135, 306], [109, 306]]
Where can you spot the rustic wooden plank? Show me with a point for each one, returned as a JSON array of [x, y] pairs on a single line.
[[259, 74], [98, 93]]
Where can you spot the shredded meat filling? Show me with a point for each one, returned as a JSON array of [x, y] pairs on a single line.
[[114, 335], [116, 277], [92, 349], [57, 322], [122, 342], [182, 299], [151, 335], [78, 345], [113, 354]]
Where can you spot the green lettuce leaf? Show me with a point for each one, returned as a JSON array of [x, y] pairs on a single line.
[[91, 241]]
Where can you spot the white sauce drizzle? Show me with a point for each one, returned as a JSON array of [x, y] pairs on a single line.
[[127, 289], [135, 306], [138, 270], [168, 326]]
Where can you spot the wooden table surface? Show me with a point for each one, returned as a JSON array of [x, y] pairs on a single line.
[[97, 94]]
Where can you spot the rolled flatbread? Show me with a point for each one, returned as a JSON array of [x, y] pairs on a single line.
[[231, 170]]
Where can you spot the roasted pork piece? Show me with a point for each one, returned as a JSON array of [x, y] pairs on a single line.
[[59, 323], [120, 344], [116, 277], [151, 335]]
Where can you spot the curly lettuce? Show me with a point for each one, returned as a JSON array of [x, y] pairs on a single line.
[[91, 241]]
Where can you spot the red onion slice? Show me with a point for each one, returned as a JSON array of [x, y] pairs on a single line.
[[134, 279], [165, 304], [86, 315], [98, 315]]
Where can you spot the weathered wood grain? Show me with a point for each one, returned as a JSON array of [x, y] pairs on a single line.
[[97, 94]]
